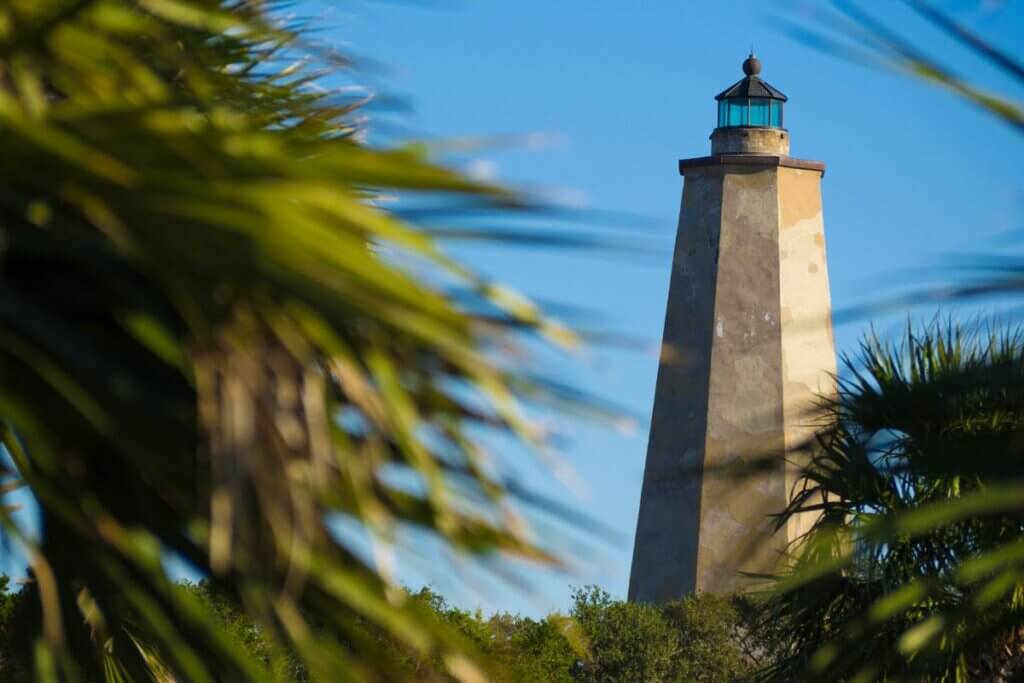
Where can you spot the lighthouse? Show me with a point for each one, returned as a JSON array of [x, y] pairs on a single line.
[[746, 352]]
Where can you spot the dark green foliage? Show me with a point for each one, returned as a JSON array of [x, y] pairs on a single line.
[[714, 645], [8, 601], [914, 569], [629, 641], [15, 621], [698, 638], [532, 650], [516, 649], [277, 663], [602, 641]]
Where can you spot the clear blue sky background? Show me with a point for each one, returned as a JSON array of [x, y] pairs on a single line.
[[624, 89], [620, 91]]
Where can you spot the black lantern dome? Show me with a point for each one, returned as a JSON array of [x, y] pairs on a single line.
[[750, 102]]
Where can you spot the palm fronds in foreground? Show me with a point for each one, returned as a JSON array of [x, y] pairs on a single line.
[[215, 344], [914, 569]]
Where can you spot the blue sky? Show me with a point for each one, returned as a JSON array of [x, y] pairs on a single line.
[[609, 96]]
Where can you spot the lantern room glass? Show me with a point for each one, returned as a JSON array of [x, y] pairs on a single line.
[[758, 112]]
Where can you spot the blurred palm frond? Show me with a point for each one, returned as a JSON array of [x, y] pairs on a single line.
[[215, 341]]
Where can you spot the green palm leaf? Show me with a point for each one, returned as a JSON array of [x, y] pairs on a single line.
[[214, 341], [914, 568]]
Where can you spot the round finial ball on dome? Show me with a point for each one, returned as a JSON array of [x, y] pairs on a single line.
[[751, 65]]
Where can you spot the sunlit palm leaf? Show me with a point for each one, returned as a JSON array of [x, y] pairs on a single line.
[[214, 341]]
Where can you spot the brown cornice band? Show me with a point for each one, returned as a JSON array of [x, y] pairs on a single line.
[[751, 160]]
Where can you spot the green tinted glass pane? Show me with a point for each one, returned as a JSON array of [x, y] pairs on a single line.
[[776, 114], [759, 112], [723, 116]]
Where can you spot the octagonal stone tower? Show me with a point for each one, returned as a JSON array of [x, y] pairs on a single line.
[[747, 348]]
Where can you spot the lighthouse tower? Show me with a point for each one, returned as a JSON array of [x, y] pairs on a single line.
[[747, 348]]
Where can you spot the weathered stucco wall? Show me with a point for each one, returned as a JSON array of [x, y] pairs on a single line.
[[665, 551], [749, 141], [747, 345], [808, 348], [745, 418]]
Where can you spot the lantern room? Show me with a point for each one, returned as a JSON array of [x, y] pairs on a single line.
[[750, 102]]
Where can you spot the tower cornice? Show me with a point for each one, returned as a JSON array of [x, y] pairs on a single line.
[[751, 160]]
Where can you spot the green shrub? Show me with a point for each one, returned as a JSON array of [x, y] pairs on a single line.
[[628, 641], [695, 639]]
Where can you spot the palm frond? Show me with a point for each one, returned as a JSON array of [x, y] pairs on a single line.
[[215, 342], [913, 568]]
